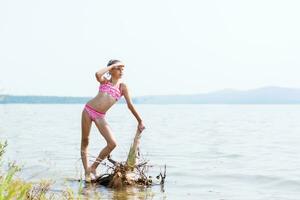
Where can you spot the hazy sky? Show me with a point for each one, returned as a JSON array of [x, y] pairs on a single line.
[[168, 47]]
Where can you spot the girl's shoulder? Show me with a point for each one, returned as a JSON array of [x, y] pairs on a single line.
[[122, 87], [122, 84]]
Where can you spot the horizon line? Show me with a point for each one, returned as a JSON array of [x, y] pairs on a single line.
[[213, 91]]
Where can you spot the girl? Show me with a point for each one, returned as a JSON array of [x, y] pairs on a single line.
[[110, 91]]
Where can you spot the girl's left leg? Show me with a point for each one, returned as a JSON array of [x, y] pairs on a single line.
[[106, 132]]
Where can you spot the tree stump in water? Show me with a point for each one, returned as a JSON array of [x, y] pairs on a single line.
[[129, 172]]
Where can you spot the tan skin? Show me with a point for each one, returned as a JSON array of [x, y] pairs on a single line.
[[102, 102]]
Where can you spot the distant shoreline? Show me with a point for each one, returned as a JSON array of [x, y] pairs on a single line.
[[264, 95]]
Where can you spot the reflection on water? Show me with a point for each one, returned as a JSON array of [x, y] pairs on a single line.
[[123, 194], [211, 151]]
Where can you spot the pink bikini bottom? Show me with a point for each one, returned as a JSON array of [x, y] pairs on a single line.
[[94, 114]]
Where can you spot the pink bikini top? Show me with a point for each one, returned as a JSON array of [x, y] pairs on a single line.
[[110, 89]]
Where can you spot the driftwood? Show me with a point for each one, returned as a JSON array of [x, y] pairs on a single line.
[[130, 172]]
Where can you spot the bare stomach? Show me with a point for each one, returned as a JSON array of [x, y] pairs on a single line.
[[102, 102]]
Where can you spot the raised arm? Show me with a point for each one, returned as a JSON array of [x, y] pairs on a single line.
[[131, 107], [99, 74]]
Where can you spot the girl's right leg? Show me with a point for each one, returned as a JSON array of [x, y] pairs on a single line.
[[86, 123]]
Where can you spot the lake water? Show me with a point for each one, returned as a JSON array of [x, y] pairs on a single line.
[[211, 151]]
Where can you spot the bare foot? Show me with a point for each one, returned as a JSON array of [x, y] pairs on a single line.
[[88, 177], [91, 174]]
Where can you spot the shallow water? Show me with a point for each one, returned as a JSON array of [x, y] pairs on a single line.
[[211, 151]]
